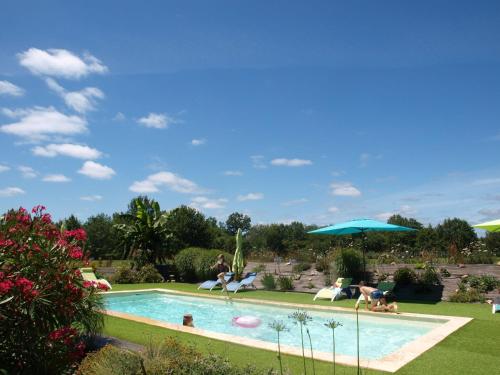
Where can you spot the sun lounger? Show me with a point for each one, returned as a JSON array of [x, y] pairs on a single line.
[[248, 280], [89, 275], [334, 293], [210, 284], [495, 306]]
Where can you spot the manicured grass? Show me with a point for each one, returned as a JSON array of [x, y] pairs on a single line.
[[474, 349]]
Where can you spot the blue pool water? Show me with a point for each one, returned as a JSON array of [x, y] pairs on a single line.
[[379, 336]]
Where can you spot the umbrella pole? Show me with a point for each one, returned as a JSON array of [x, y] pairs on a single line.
[[363, 244]]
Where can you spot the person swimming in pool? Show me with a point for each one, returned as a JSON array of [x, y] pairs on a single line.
[[377, 297], [221, 267]]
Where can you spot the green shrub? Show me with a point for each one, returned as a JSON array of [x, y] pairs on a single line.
[[285, 283], [483, 283], [404, 276], [259, 268], [110, 360], [419, 266], [195, 264], [429, 276], [268, 281], [444, 272], [149, 274], [348, 263], [124, 275], [387, 258], [464, 296], [167, 358], [301, 267]]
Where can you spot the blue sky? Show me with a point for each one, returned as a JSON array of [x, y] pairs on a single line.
[[279, 109]]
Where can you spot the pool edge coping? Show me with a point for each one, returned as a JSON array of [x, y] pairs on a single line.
[[390, 363]]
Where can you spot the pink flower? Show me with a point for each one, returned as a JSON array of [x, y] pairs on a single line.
[[24, 285]]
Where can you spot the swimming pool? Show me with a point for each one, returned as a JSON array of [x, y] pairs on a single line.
[[382, 337]]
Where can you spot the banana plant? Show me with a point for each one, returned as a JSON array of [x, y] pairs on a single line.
[[145, 234]]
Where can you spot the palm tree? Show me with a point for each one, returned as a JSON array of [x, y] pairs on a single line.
[[145, 234]]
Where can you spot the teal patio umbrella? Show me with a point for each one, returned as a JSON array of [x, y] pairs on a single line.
[[360, 226], [238, 263]]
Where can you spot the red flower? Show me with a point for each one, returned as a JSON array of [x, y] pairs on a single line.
[[78, 234], [87, 284], [76, 253], [38, 208], [102, 286], [5, 286]]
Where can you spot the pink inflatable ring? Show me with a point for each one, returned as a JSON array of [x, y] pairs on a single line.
[[246, 321]]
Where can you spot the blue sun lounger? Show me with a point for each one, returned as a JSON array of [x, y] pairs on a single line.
[[210, 284], [495, 308], [248, 280]]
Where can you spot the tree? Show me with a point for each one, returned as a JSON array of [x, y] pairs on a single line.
[[405, 222], [456, 231], [145, 233], [492, 241], [103, 241], [71, 223], [238, 220], [189, 228], [275, 236]]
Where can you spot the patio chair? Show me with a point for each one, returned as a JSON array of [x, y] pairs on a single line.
[[333, 293], [89, 275], [248, 280], [210, 284]]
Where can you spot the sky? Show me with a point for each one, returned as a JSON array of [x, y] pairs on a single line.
[[284, 110]]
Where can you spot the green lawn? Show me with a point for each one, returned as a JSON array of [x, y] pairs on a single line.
[[474, 349]]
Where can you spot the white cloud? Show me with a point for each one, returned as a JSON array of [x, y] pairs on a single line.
[[207, 203], [333, 209], [157, 120], [384, 216], [365, 158], [56, 178], [4, 168], [490, 212], [67, 149], [344, 189], [282, 162], [295, 202], [91, 198], [10, 192], [81, 101], [119, 117], [170, 180], [198, 142], [233, 173], [27, 172], [258, 161], [251, 197], [486, 181], [60, 63], [97, 171], [8, 88], [40, 123]]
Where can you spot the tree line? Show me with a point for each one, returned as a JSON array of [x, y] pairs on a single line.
[[146, 232]]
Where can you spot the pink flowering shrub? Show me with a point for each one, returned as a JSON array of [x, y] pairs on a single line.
[[45, 306]]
